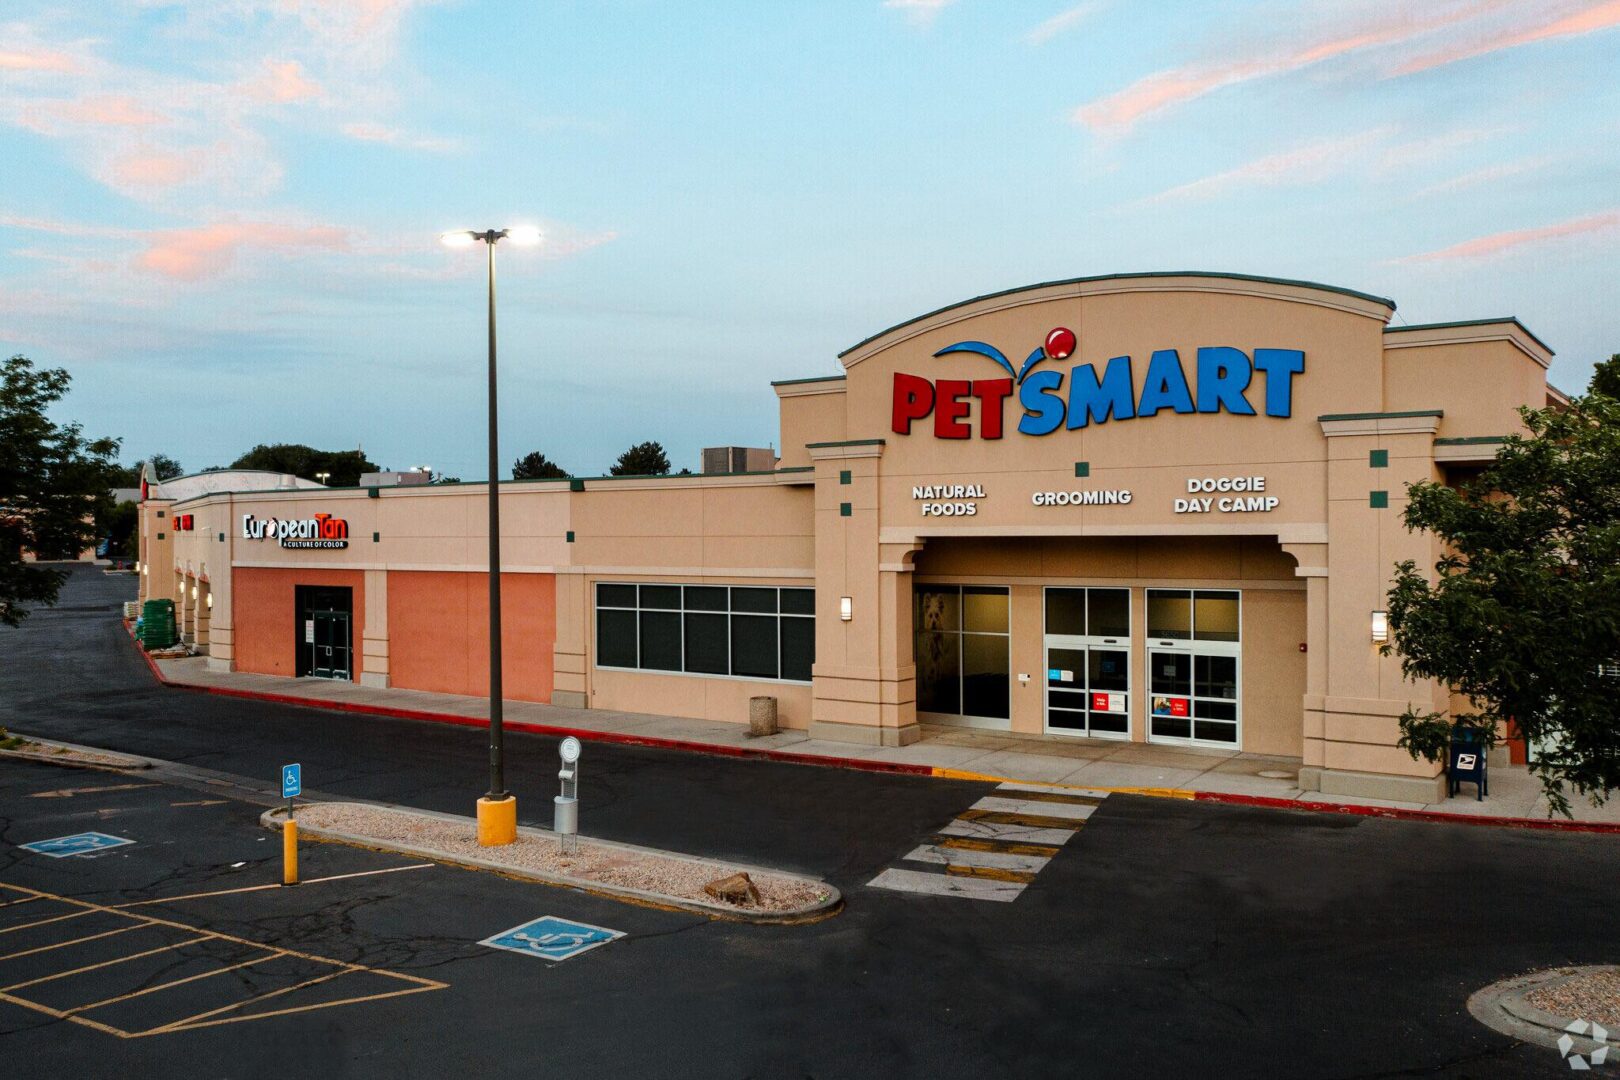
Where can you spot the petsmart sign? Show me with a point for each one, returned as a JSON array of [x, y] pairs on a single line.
[[1223, 379]]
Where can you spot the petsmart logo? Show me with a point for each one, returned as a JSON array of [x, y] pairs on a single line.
[[1223, 376]]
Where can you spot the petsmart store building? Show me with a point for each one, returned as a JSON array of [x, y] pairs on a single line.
[[1159, 508]]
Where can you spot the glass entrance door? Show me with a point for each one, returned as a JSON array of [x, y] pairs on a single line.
[[329, 645], [1195, 658], [1088, 662], [325, 639]]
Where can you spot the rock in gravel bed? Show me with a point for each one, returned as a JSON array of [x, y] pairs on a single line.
[[1594, 995], [592, 863]]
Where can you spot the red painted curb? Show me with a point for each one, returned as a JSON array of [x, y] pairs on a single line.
[[584, 734], [1398, 814]]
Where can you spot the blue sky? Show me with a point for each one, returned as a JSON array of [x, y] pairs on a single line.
[[221, 215]]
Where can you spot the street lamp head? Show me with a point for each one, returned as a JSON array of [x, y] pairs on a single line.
[[458, 238], [524, 235]]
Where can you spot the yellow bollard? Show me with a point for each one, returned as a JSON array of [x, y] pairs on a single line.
[[289, 852], [497, 821]]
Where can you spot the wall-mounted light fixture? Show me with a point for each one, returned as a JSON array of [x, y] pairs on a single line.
[[210, 601], [194, 592], [1380, 626], [844, 606]]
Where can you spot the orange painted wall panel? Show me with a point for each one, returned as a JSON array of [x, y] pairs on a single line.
[[438, 632], [265, 610]]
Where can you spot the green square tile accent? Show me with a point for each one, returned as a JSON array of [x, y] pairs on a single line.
[[844, 510], [160, 513], [1378, 459], [1082, 468], [376, 537], [1379, 500], [576, 485], [222, 538], [845, 478], [160, 536], [570, 536]]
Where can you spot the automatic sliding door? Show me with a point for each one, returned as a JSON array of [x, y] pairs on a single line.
[[1088, 667], [1195, 661]]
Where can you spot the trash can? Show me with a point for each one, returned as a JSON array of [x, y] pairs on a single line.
[[762, 716]]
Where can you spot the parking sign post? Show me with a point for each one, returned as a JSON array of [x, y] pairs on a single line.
[[292, 784]]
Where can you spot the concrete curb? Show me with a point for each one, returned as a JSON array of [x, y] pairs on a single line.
[[124, 762], [834, 902], [1502, 1007], [893, 767]]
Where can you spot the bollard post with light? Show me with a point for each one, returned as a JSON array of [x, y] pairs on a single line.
[[497, 810]]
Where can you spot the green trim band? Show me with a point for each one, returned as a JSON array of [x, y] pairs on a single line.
[[815, 378], [846, 442], [1472, 440], [1125, 277], [1325, 417], [1514, 319]]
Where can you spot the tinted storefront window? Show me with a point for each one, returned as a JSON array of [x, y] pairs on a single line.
[[755, 632], [962, 650]]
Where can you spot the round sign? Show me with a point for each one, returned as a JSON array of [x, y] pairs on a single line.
[[1060, 343], [569, 750]]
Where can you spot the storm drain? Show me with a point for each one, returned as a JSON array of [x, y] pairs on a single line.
[[995, 848]]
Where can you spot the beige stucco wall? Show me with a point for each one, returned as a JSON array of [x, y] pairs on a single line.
[[810, 411]]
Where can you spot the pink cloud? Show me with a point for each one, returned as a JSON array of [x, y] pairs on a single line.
[[207, 251], [1121, 110], [286, 81], [379, 133], [42, 60], [1497, 243], [154, 169], [1312, 162], [1590, 19]]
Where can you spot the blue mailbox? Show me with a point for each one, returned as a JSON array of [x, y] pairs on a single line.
[[1466, 762]]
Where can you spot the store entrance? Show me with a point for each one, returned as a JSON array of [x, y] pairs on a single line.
[[325, 642], [1088, 662], [1195, 658]]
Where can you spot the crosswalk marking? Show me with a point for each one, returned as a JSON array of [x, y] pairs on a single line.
[[994, 849]]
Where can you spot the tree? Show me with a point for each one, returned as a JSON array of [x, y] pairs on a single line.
[[53, 484], [642, 459], [536, 466], [1523, 617], [1606, 379], [344, 466]]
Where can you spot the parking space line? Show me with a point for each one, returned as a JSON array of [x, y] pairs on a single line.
[[176, 1024], [24, 900], [177, 982], [77, 941], [104, 963], [47, 922], [416, 984], [270, 885]]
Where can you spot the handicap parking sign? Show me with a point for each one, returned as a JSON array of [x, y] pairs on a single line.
[[83, 843], [551, 938], [292, 781]]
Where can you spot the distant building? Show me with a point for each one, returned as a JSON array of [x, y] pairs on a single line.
[[737, 459], [395, 479]]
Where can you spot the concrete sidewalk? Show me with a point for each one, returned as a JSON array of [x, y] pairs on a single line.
[[1187, 772]]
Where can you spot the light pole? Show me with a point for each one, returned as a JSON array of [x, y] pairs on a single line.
[[322, 477], [497, 810]]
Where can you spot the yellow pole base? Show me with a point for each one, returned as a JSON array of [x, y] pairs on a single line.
[[289, 853], [497, 821]]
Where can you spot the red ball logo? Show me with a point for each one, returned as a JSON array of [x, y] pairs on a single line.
[[1060, 343]]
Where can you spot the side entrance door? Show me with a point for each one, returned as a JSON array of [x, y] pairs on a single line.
[[325, 639]]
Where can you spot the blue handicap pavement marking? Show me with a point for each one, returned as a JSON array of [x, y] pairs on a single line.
[[78, 844], [551, 938], [292, 781]]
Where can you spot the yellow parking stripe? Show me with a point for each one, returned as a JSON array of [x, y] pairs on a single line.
[[994, 873], [1006, 847], [58, 1014], [47, 922], [1033, 821], [328, 977], [167, 1028], [176, 982], [75, 941], [104, 963]]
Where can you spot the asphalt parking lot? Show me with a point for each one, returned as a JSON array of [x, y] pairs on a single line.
[[1160, 936]]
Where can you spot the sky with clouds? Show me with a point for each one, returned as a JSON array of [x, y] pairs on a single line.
[[221, 215]]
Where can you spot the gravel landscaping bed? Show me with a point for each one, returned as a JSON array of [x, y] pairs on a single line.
[[594, 863], [65, 755], [1594, 995]]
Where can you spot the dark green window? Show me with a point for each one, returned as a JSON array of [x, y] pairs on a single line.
[[743, 631]]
